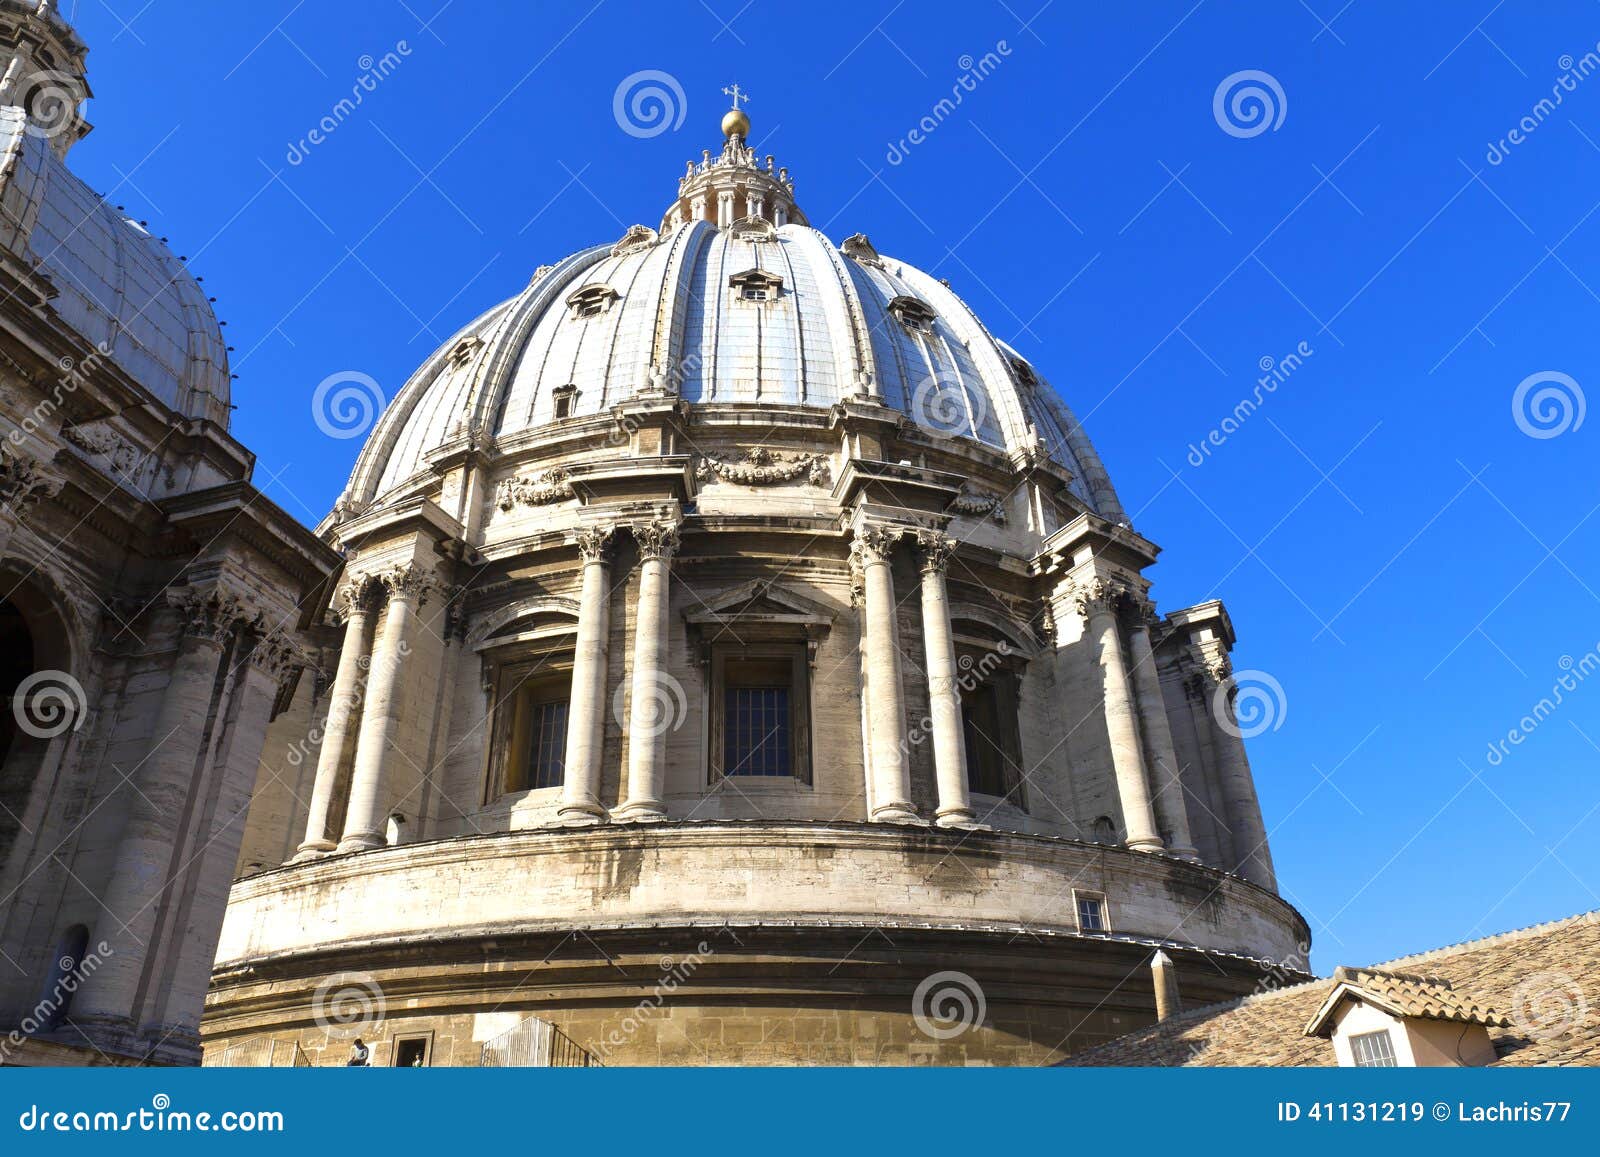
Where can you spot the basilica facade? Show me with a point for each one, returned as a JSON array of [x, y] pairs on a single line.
[[725, 651]]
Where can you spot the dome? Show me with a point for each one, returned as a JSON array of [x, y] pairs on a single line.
[[119, 288], [749, 312], [728, 578]]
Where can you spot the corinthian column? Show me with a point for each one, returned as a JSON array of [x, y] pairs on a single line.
[[344, 705], [655, 705], [366, 818], [944, 699], [886, 715], [144, 868], [1097, 601], [1171, 808], [580, 785], [1241, 807]]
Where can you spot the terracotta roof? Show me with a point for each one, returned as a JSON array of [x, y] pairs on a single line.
[[1537, 989]]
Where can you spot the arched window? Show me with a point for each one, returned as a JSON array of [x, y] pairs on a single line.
[[591, 301]]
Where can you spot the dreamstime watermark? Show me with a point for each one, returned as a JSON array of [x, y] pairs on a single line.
[[52, 99], [348, 1004], [664, 703], [1274, 373], [1549, 1004], [971, 676], [943, 407], [70, 975], [1248, 103], [373, 73], [948, 1004], [1573, 73], [648, 103], [49, 703], [973, 73], [160, 1117], [1249, 703], [299, 750], [1548, 404], [346, 404], [1573, 673], [674, 973]]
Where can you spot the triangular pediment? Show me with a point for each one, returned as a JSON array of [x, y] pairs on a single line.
[[758, 601]]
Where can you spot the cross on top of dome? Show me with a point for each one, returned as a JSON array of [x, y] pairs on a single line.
[[733, 185]]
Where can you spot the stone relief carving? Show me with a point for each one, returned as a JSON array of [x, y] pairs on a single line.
[[857, 247], [122, 455], [538, 490], [23, 480], [763, 467], [970, 502], [637, 237]]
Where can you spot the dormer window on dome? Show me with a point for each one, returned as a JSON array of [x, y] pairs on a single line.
[[1024, 372], [756, 285], [591, 301], [913, 313]]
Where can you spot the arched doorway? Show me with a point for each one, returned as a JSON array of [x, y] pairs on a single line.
[[40, 699]]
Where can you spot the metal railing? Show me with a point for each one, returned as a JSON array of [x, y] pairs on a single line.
[[535, 1043]]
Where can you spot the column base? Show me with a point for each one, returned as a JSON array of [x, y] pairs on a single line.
[[645, 812], [312, 850], [360, 843], [577, 817], [895, 813], [960, 819], [1190, 854], [1147, 845]]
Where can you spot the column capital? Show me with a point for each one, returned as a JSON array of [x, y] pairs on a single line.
[[410, 582], [353, 597], [212, 613], [872, 543], [1212, 663], [594, 542], [279, 656], [24, 480], [934, 551], [656, 540], [1098, 594]]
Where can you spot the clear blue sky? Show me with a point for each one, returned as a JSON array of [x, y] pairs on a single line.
[[1405, 561]]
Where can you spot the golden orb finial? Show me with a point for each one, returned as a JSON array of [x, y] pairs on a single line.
[[734, 122]]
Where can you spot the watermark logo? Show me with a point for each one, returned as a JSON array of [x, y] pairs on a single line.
[[346, 404], [1248, 103], [945, 408], [1274, 373], [1548, 404], [973, 72], [48, 703], [948, 1004], [374, 71], [1573, 673], [348, 1003], [648, 103], [51, 99], [1250, 703], [1549, 1004], [663, 702]]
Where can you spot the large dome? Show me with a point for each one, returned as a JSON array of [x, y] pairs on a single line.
[[752, 313], [732, 592]]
